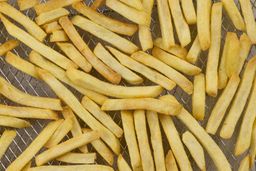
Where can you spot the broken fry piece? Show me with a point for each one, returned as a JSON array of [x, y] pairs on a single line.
[[194, 51], [8, 46], [58, 36], [26, 4], [51, 27]]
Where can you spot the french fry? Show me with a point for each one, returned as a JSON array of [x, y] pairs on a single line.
[[51, 16], [211, 76], [58, 36], [71, 52], [156, 140], [189, 11], [130, 138], [150, 74], [245, 47], [8, 46], [203, 23], [107, 22], [239, 102], [234, 14], [36, 45], [165, 20], [122, 164], [244, 164], [137, 4], [51, 27], [195, 149], [26, 22], [67, 146], [142, 137], [77, 40], [134, 15], [26, 4], [73, 167], [194, 51], [170, 162], [5, 141], [110, 61], [198, 97], [141, 104], [34, 147], [92, 83], [16, 95], [252, 150], [78, 158], [27, 166], [97, 4], [7, 121], [64, 94], [221, 106], [160, 66]]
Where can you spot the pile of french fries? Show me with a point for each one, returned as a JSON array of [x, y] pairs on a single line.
[[147, 112]]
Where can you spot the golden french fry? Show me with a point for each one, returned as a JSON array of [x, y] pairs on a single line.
[[5, 141], [25, 21], [244, 164], [203, 23], [252, 150], [194, 51], [58, 36], [142, 137], [221, 106], [122, 164], [8, 46], [245, 47], [198, 97], [170, 162], [195, 149], [137, 4], [239, 102], [78, 158], [34, 147], [189, 11], [26, 4], [92, 83], [94, 167], [7, 121], [97, 4], [51, 27], [211, 76]]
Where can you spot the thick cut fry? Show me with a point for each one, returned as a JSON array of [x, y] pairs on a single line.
[[36, 45], [50, 16], [26, 4], [97, 4], [76, 106], [245, 164], [189, 11], [51, 27], [34, 147], [26, 22], [198, 97], [8, 46], [65, 147], [245, 47], [203, 23], [78, 158], [160, 66], [170, 162], [77, 40], [7, 121], [92, 83], [71, 52], [74, 167], [58, 36], [5, 141], [239, 102], [122, 164], [142, 137], [107, 22], [195, 149], [234, 14], [221, 106], [211, 76], [135, 4], [252, 150], [16, 95], [141, 104], [194, 51], [156, 140], [134, 15], [131, 141]]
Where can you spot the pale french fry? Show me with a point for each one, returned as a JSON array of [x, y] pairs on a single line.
[[252, 150], [130, 138], [67, 146], [170, 162], [26, 22], [109, 60], [58, 36], [141, 104], [156, 140], [64, 94], [239, 102], [221, 106], [245, 164], [5, 141], [137, 4], [59, 73], [77, 40], [16, 95], [211, 76], [27, 166], [34, 147], [26, 4], [51, 27], [107, 22], [245, 47], [27, 112], [189, 11], [36, 45], [150, 74], [198, 97], [122, 164], [77, 158], [8, 46], [203, 23], [97, 4], [165, 20], [142, 137], [103, 117], [134, 15], [234, 14], [7, 121], [50, 16], [73, 167], [92, 83], [70, 50], [195, 149], [194, 51], [160, 66]]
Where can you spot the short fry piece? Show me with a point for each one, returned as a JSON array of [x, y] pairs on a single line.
[[58, 36], [7, 121], [194, 51], [97, 4], [122, 164], [189, 11], [88, 167], [133, 3], [170, 162], [51, 27], [8, 46], [245, 47], [26, 4], [245, 164], [78, 158], [5, 141]]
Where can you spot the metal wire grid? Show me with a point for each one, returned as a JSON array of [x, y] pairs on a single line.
[[35, 87]]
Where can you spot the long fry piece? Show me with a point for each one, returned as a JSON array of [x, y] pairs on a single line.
[[73, 167], [7, 121], [8, 46], [78, 158], [170, 162], [5, 140]]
